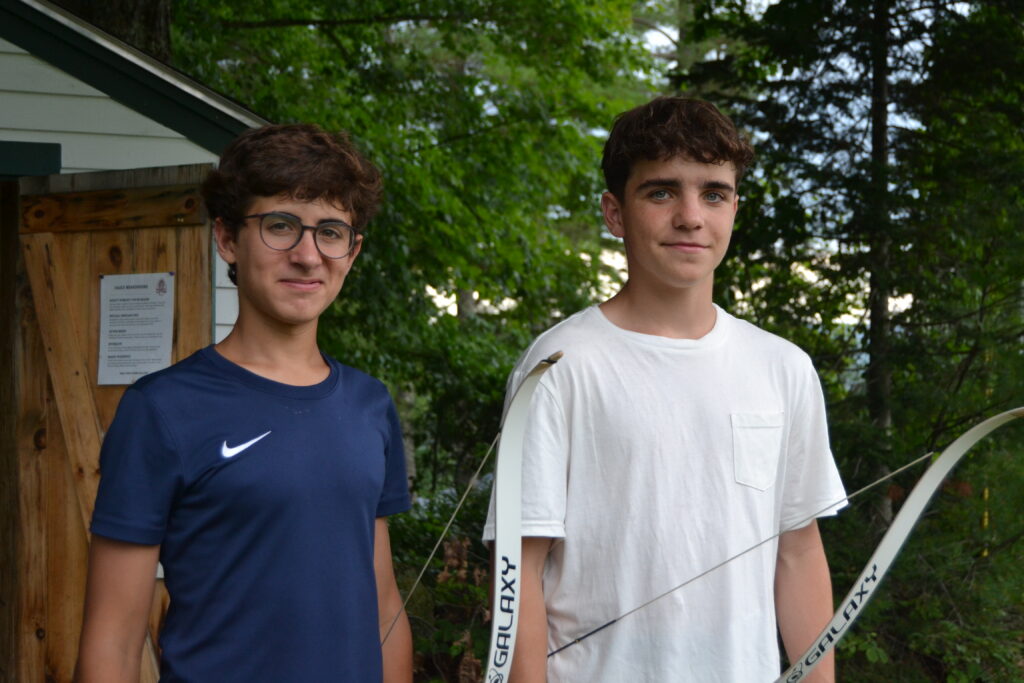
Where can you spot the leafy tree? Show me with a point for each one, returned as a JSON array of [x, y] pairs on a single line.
[[482, 117], [486, 120], [889, 134]]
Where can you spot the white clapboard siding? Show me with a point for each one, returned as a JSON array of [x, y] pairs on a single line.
[[225, 299], [33, 111], [40, 103], [24, 73]]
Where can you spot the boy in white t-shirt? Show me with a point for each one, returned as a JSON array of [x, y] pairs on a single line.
[[671, 437]]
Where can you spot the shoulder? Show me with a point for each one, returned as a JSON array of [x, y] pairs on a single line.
[[754, 339], [354, 377], [359, 388], [181, 376], [578, 332]]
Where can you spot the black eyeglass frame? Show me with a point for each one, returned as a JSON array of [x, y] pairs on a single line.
[[355, 233]]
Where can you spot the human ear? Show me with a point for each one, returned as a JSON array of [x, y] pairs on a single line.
[[611, 207], [225, 240], [357, 248]]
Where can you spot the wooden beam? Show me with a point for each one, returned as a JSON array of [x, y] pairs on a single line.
[[112, 209], [68, 371]]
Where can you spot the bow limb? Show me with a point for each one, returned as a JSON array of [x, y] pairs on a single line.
[[866, 584], [828, 638], [508, 527]]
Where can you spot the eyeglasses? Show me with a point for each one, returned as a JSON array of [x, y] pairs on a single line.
[[283, 231]]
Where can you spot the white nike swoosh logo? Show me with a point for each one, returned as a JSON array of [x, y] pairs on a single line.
[[232, 451]]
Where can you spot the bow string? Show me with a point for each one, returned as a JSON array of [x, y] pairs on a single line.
[[866, 584], [508, 518], [508, 539]]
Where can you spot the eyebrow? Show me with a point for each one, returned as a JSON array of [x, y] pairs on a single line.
[[319, 222], [674, 184]]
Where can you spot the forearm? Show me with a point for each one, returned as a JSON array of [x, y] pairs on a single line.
[[396, 651], [803, 596], [119, 595], [107, 660], [396, 646], [530, 660]]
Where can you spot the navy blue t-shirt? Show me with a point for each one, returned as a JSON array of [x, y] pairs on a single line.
[[263, 498]]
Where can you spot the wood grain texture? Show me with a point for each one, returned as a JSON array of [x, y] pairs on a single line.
[[8, 428], [160, 176], [192, 297], [33, 403], [67, 556], [62, 413], [67, 368], [112, 209], [110, 252]]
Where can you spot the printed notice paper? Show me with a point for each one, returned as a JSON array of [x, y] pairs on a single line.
[[136, 325]]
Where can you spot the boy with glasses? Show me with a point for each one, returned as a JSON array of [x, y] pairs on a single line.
[[259, 471], [670, 438]]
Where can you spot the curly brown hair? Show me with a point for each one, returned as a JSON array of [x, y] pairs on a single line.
[[670, 126], [300, 161]]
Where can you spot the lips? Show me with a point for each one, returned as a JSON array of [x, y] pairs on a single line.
[[687, 247], [302, 284]]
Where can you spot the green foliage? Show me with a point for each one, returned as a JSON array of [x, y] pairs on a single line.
[[449, 612], [808, 255], [487, 120]]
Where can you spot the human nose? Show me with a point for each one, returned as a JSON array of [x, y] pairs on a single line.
[[689, 213], [306, 251]]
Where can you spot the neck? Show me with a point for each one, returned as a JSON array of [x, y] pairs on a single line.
[[676, 313], [286, 354]]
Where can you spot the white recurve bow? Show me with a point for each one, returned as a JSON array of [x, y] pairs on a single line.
[[508, 542]]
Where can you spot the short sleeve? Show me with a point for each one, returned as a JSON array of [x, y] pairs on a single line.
[[140, 474], [545, 468], [395, 494], [813, 487]]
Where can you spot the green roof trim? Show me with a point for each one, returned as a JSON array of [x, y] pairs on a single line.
[[28, 158], [128, 76]]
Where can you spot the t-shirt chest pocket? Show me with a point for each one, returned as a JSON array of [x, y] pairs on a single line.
[[756, 446]]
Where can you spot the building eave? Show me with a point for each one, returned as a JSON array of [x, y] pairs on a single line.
[[127, 75]]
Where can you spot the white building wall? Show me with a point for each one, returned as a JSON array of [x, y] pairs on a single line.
[[40, 103]]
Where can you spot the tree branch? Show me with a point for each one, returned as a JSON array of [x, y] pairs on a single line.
[[651, 26], [352, 21]]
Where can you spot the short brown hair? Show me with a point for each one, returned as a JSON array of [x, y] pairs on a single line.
[[301, 161], [671, 126]]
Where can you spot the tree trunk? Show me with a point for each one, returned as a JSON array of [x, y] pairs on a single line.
[[143, 24], [879, 371], [686, 50]]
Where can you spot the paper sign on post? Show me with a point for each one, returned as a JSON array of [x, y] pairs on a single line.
[[136, 325]]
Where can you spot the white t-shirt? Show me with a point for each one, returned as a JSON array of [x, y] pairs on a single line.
[[653, 460]]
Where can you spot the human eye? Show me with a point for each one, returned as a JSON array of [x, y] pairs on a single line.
[[659, 194], [715, 197], [277, 224], [333, 232]]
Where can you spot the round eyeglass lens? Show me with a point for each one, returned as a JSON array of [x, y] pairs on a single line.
[[280, 232], [333, 239]]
